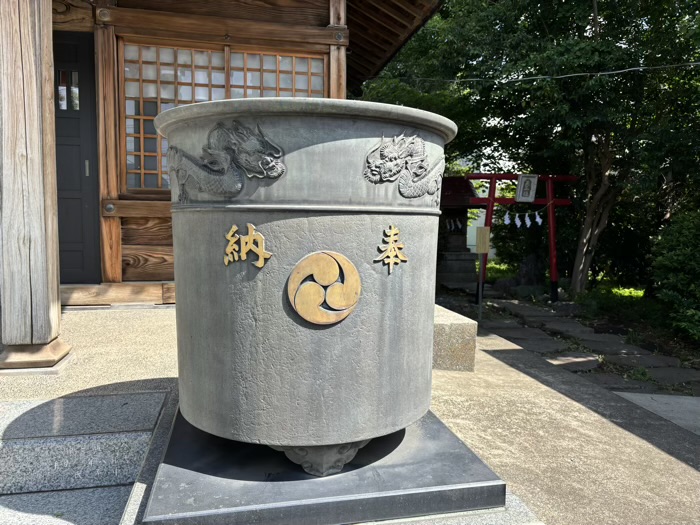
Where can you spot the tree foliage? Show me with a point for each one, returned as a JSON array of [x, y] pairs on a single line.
[[677, 270], [629, 136]]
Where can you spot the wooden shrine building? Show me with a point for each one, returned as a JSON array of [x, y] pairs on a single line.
[[84, 188]]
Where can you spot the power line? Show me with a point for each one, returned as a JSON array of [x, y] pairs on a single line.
[[543, 77]]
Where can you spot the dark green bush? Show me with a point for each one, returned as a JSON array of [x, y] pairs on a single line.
[[677, 272]]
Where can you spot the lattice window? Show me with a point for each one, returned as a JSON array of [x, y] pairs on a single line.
[[156, 78]]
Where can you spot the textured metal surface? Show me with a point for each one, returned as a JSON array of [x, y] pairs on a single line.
[[325, 143], [421, 471], [251, 367]]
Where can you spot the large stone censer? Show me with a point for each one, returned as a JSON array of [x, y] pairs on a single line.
[[305, 237]]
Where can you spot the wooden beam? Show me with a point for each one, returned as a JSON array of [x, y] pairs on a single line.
[[484, 201], [108, 144], [305, 12], [121, 208], [155, 231], [514, 176], [28, 199], [111, 293], [73, 15], [168, 293], [338, 56], [216, 28], [147, 263]]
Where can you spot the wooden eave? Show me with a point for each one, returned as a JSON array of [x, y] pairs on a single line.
[[378, 29]]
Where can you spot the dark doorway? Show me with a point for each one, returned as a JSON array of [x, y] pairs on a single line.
[[76, 157]]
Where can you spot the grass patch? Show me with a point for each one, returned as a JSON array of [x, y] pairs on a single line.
[[496, 270], [622, 305], [646, 318]]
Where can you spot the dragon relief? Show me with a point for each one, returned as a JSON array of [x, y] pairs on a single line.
[[405, 159], [232, 153]]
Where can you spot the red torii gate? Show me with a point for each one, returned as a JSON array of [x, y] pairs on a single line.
[[550, 201]]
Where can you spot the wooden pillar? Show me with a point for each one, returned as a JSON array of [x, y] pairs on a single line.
[[108, 144], [338, 62], [552, 219], [30, 309]]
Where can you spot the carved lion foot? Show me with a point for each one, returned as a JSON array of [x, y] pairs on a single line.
[[322, 460]]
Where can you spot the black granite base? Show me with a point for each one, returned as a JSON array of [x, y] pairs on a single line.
[[419, 471]]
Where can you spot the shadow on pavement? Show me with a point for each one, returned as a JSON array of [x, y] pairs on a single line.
[[657, 431]]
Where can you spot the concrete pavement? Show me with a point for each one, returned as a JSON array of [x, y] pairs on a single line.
[[573, 452]]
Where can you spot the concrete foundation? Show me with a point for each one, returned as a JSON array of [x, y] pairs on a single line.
[[454, 341], [423, 470]]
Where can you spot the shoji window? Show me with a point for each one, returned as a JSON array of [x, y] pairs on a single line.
[[156, 78]]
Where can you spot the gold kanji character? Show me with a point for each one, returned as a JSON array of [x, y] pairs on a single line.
[[391, 251], [254, 242], [232, 248]]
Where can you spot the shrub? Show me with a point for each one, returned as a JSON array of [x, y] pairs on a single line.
[[496, 270], [677, 272]]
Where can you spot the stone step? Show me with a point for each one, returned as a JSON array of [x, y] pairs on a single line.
[[521, 332], [566, 327], [575, 361], [78, 415], [616, 382], [612, 348], [674, 376], [524, 310], [75, 442], [646, 361], [543, 346], [97, 506], [97, 460]]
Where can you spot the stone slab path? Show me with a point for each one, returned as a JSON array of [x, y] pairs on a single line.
[[570, 341], [683, 411]]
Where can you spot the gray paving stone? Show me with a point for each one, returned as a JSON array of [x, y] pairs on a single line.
[[521, 332], [520, 309], [616, 382], [591, 336], [96, 506], [76, 415], [567, 327], [611, 348], [646, 361], [493, 324], [684, 411], [575, 361], [60, 463], [674, 376], [544, 346]]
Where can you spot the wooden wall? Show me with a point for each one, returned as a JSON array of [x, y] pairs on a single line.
[[293, 12], [136, 230]]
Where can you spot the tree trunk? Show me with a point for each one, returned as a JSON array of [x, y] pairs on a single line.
[[601, 197]]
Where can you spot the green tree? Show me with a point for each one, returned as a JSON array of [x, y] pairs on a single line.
[[625, 134]]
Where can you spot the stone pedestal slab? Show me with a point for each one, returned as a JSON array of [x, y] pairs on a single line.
[[33, 356], [423, 470], [454, 341]]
